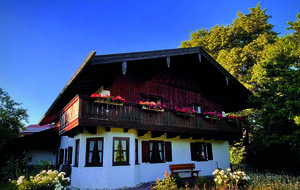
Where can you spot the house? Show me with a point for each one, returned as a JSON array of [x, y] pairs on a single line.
[[119, 143], [36, 143]]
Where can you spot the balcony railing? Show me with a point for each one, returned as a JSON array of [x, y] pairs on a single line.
[[84, 111]]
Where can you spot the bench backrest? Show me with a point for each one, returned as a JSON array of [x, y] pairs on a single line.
[[182, 166]]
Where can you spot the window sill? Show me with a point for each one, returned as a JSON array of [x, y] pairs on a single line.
[[93, 165], [121, 164]]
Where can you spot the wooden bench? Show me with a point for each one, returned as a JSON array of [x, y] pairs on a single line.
[[184, 168]]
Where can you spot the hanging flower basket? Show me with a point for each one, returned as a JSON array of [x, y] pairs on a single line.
[[152, 106], [107, 99], [213, 115], [185, 111]]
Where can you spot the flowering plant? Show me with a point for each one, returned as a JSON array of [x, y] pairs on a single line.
[[44, 180], [214, 115], [118, 99], [152, 105], [185, 110], [226, 179], [101, 96], [233, 117], [108, 98]]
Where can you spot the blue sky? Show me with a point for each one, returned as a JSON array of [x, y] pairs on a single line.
[[43, 42]]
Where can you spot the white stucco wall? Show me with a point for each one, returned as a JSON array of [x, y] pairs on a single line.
[[66, 142], [41, 154], [112, 177]]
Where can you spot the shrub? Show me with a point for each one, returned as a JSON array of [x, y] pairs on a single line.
[[226, 179], [205, 183], [167, 183], [45, 180]]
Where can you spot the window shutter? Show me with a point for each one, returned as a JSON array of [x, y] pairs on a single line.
[[145, 151], [193, 151], [168, 151], [209, 151]]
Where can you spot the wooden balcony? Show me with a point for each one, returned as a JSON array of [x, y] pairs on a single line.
[[84, 113]]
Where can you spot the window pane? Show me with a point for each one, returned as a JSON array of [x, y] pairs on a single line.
[[116, 156], [90, 157], [123, 142], [160, 146], [92, 143], [151, 147], [100, 157], [160, 155], [100, 145], [116, 144], [124, 157]]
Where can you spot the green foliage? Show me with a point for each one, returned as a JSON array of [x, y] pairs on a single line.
[[276, 142], [272, 181], [204, 183], [17, 166], [12, 118], [45, 180], [268, 66], [236, 153], [167, 183], [238, 47]]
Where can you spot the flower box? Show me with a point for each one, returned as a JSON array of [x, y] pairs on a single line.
[[107, 99], [153, 106], [185, 114], [213, 115], [185, 111]]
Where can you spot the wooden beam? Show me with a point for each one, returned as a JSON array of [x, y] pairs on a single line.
[[142, 132], [171, 135], [107, 129], [125, 130], [80, 129], [91, 130], [185, 136], [196, 137], [156, 134]]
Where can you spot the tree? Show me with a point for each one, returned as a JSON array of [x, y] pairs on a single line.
[[238, 47], [277, 140], [12, 118]]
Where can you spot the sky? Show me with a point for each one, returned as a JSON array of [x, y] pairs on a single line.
[[43, 42]]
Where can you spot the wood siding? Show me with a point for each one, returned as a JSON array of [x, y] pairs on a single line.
[[174, 90]]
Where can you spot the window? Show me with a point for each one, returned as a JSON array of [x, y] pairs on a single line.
[[201, 151], [94, 152], [156, 151], [76, 153], [66, 155], [197, 108], [136, 151], [120, 151], [70, 151], [61, 156]]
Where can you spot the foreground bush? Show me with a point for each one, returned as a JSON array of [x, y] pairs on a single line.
[[228, 180], [46, 180], [272, 181]]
